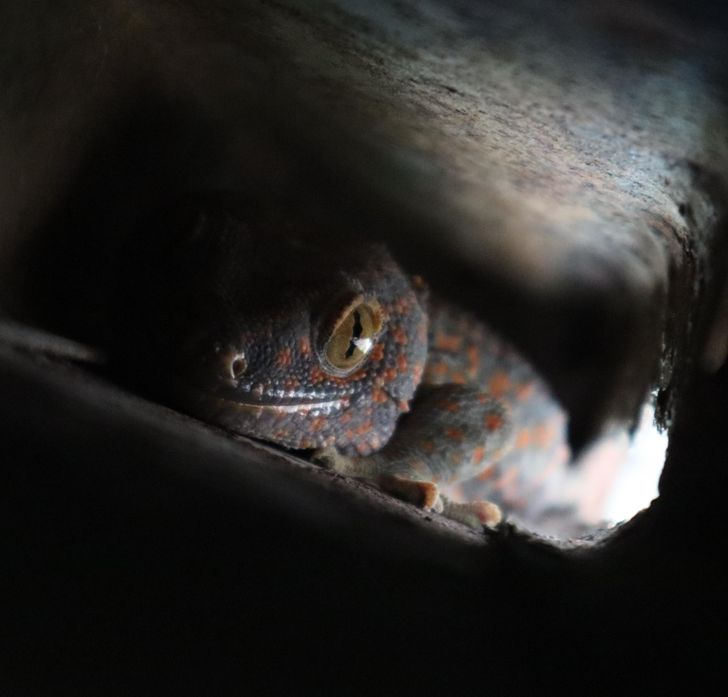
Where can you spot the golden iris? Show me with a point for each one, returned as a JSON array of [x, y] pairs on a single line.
[[352, 338]]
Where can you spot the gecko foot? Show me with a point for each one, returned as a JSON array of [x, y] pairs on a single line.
[[474, 514], [421, 494], [330, 458]]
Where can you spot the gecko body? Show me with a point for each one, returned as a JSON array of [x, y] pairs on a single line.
[[319, 341]]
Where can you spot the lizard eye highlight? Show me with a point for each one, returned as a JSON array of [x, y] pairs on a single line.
[[353, 335]]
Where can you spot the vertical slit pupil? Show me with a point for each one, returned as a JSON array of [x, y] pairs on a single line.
[[356, 332]]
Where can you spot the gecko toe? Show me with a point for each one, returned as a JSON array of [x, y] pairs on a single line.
[[474, 514], [421, 494]]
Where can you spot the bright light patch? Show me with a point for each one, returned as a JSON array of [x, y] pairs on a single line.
[[635, 484]]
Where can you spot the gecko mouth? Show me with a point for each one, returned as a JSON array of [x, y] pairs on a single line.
[[285, 406], [272, 402]]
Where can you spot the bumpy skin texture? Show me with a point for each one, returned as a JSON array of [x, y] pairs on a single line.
[[462, 350], [234, 318]]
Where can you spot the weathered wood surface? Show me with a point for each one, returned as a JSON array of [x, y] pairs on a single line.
[[561, 171], [565, 167]]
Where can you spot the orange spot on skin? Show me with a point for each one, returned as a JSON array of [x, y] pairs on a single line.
[[499, 384], [379, 396], [487, 473], [377, 352], [363, 448], [478, 454], [363, 428], [439, 368], [448, 342], [525, 392], [523, 439], [544, 434], [449, 406], [458, 378], [304, 345], [493, 422], [402, 306], [318, 424], [390, 374], [399, 335], [401, 363], [417, 371], [455, 434], [473, 359], [427, 446], [317, 375], [284, 357]]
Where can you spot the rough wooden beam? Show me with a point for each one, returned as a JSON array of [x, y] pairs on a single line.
[[566, 166], [569, 180]]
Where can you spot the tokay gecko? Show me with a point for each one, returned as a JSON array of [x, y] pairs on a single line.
[[319, 341]]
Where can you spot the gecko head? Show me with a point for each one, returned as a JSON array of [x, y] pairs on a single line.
[[306, 338]]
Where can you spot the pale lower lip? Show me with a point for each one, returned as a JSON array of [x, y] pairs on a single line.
[[269, 403], [284, 408], [292, 408]]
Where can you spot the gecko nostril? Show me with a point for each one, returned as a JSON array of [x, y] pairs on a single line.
[[238, 366]]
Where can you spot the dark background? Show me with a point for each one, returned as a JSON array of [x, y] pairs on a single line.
[[144, 552]]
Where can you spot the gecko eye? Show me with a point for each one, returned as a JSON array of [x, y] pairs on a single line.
[[238, 366], [353, 335]]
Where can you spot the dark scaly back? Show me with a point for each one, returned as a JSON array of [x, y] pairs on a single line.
[[464, 351]]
